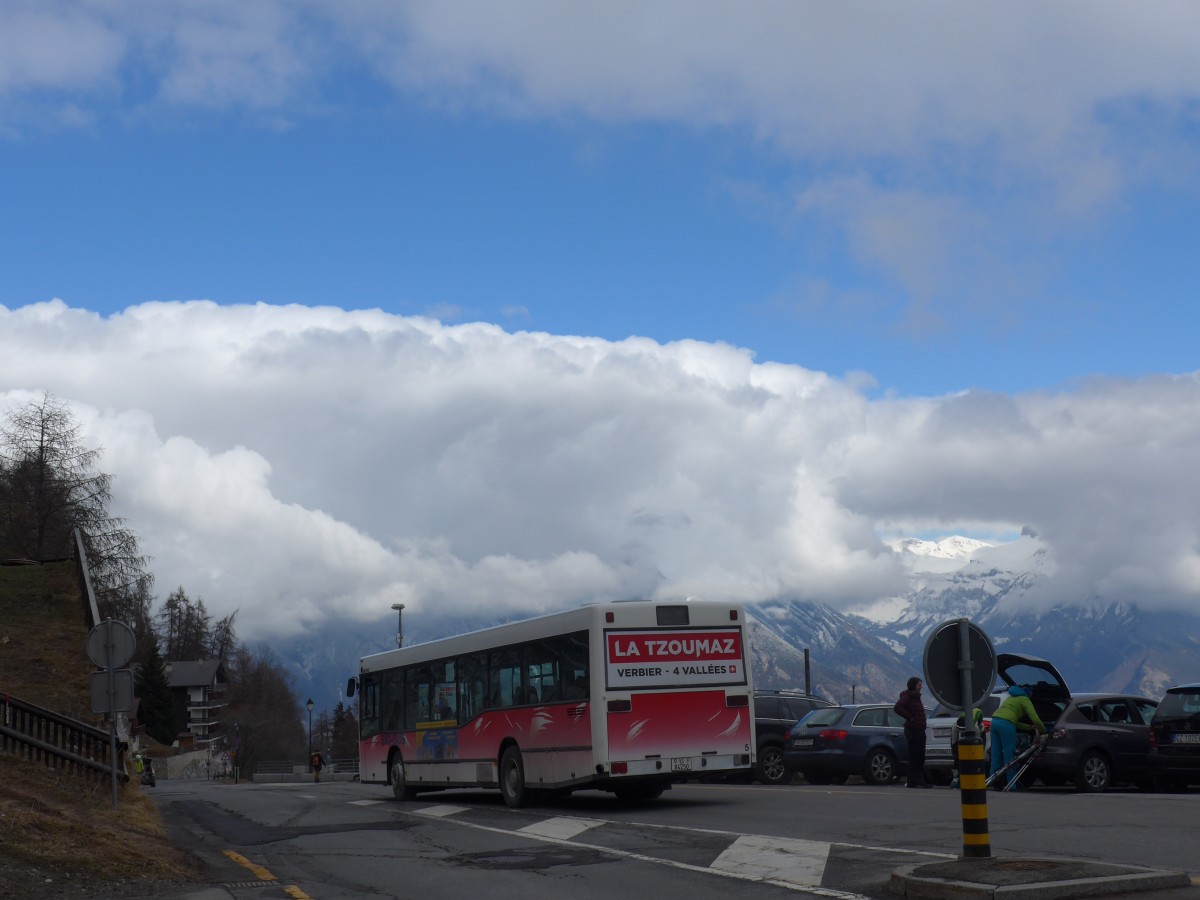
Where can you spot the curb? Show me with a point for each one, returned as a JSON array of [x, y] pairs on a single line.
[[908, 881]]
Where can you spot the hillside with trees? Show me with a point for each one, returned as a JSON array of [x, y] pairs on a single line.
[[49, 487]]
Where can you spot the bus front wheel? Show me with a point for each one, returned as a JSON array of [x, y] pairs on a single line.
[[400, 786], [512, 778]]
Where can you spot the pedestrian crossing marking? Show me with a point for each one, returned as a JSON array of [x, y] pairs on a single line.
[[561, 827], [441, 810], [776, 859]]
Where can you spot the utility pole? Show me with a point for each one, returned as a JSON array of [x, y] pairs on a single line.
[[399, 608]]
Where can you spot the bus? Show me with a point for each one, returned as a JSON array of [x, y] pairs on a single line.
[[627, 697]]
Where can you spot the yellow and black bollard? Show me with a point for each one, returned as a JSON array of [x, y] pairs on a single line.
[[972, 783]]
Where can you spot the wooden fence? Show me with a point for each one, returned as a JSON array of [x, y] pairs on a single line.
[[57, 741]]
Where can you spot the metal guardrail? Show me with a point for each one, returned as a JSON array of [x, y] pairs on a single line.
[[39, 735], [288, 767]]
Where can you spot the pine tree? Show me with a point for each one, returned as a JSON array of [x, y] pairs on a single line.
[[157, 705], [49, 487], [345, 733]]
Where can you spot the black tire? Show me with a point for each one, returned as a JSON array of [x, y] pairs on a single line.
[[769, 768], [880, 767], [401, 789], [1093, 775], [512, 779]]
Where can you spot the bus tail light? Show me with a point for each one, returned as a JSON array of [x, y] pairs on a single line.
[[620, 768], [617, 706], [733, 615], [737, 700]]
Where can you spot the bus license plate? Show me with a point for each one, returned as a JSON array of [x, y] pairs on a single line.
[[681, 764]]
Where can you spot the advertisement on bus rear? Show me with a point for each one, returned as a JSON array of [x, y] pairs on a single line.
[[696, 657]]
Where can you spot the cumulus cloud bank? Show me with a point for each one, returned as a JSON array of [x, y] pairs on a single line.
[[303, 463]]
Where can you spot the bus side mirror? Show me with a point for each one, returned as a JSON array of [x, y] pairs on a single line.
[[351, 685]]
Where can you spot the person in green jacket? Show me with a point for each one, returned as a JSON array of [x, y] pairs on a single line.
[[1006, 721]]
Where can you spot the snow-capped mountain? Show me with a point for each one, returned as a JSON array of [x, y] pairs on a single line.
[[868, 654], [846, 661], [1114, 648]]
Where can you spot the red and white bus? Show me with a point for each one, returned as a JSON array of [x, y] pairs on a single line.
[[625, 697]]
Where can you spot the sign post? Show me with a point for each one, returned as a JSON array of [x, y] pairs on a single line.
[[960, 669], [111, 644]]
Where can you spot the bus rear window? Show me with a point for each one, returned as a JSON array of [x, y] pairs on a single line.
[[672, 615]]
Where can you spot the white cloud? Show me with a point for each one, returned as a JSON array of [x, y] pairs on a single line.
[[300, 463]]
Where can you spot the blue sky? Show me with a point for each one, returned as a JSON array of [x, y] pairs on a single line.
[[358, 188], [966, 235]]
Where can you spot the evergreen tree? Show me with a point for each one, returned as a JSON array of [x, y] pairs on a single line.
[[264, 711], [49, 487], [187, 630], [157, 705], [345, 733]]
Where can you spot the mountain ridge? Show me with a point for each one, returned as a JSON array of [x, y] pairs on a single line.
[[867, 654]]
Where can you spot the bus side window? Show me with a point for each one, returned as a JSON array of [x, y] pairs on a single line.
[[417, 688], [574, 653], [369, 707], [472, 682], [504, 675], [392, 709]]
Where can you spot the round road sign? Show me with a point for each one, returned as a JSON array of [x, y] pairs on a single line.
[[945, 663], [111, 644]]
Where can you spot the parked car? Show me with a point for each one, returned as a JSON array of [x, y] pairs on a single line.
[[1098, 740], [831, 744], [939, 752], [1047, 690], [1175, 738], [775, 712]]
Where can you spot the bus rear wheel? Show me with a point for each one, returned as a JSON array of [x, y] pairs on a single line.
[[400, 786], [512, 779]]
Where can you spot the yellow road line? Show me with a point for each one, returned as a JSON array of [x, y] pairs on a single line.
[[262, 873], [294, 891]]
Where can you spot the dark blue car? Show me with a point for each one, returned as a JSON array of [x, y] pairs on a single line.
[[829, 745]]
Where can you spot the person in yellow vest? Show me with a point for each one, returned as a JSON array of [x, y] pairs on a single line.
[[1006, 721]]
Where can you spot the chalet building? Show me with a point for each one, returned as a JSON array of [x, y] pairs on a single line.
[[199, 689]]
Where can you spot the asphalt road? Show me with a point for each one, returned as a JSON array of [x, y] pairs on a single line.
[[346, 840]]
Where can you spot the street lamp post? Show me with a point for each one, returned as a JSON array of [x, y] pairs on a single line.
[[309, 704], [399, 608]]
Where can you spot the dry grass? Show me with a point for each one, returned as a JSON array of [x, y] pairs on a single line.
[[66, 823], [59, 833], [43, 639]]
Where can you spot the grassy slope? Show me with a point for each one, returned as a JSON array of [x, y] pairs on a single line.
[[60, 832]]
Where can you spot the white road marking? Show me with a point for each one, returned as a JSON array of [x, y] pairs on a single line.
[[772, 858], [441, 810], [365, 802], [640, 857], [562, 827]]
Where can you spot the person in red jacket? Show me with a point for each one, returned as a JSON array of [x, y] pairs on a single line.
[[910, 708]]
